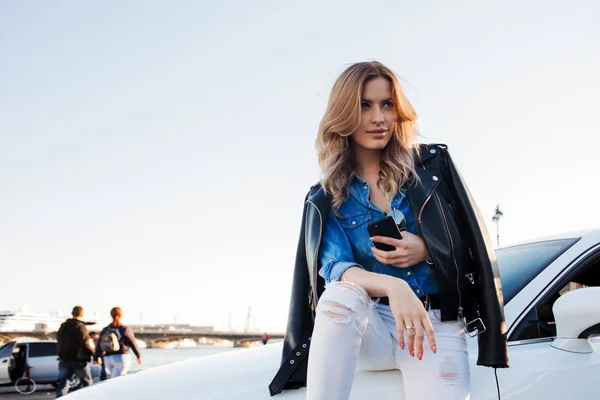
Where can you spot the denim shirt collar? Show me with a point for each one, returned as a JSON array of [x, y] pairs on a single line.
[[360, 190]]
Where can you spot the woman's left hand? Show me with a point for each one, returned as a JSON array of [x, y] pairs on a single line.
[[410, 250]]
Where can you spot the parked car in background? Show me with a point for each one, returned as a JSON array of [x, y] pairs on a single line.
[[552, 308], [42, 358]]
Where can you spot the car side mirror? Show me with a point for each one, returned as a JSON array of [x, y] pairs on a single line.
[[577, 316]]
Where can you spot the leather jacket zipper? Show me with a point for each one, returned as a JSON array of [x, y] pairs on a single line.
[[460, 309], [419, 222], [423, 207], [315, 295]]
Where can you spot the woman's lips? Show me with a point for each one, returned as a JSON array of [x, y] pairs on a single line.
[[377, 134]]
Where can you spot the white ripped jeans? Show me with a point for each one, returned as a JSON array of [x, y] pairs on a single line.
[[350, 327]]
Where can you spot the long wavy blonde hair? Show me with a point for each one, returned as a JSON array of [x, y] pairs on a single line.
[[343, 117]]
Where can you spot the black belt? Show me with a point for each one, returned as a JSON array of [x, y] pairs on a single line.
[[430, 301]]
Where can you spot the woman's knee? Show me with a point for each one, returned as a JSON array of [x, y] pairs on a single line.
[[341, 301]]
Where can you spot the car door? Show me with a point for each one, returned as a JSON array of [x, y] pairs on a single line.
[[5, 353], [540, 371], [537, 369], [43, 360]]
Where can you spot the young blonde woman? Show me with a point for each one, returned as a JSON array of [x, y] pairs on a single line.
[[408, 308]]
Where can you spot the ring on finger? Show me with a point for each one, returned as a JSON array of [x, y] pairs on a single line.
[[409, 327]]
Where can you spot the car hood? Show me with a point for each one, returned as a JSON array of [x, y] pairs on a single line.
[[242, 374]]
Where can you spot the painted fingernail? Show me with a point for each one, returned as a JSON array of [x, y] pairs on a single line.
[[412, 353], [402, 346], [420, 356], [434, 349]]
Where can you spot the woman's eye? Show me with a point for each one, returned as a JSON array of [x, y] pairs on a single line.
[[365, 105], [388, 104]]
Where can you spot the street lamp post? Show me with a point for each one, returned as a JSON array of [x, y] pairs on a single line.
[[496, 219]]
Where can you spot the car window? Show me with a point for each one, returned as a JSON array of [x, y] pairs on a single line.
[[7, 349], [42, 349], [518, 265], [539, 321]]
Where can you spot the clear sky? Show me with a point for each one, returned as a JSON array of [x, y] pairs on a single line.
[[155, 154]]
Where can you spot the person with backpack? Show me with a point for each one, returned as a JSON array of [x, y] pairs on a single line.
[[114, 345]]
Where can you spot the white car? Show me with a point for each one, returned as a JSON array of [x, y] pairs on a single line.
[[552, 330], [42, 359]]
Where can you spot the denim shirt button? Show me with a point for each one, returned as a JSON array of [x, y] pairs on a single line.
[[418, 291], [432, 151], [353, 222], [408, 273], [435, 178]]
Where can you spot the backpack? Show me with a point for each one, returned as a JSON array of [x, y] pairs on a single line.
[[110, 340]]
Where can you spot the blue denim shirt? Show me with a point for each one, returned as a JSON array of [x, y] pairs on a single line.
[[346, 243]]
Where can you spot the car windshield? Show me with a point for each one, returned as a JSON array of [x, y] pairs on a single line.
[[6, 349], [518, 265]]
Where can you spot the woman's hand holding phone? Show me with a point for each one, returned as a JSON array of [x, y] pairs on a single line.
[[410, 250]]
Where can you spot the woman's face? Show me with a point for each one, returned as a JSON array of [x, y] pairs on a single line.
[[378, 116]]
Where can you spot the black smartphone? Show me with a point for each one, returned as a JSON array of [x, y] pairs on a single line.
[[384, 227]]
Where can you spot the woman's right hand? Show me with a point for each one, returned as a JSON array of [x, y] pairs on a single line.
[[411, 317]]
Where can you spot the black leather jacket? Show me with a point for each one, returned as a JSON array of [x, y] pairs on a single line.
[[465, 264]]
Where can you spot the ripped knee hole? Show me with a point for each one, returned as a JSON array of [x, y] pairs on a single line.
[[336, 311]]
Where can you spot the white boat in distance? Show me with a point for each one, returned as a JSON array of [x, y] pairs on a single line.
[[26, 320]]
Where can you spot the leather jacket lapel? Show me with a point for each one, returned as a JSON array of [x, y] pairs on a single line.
[[419, 194]]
